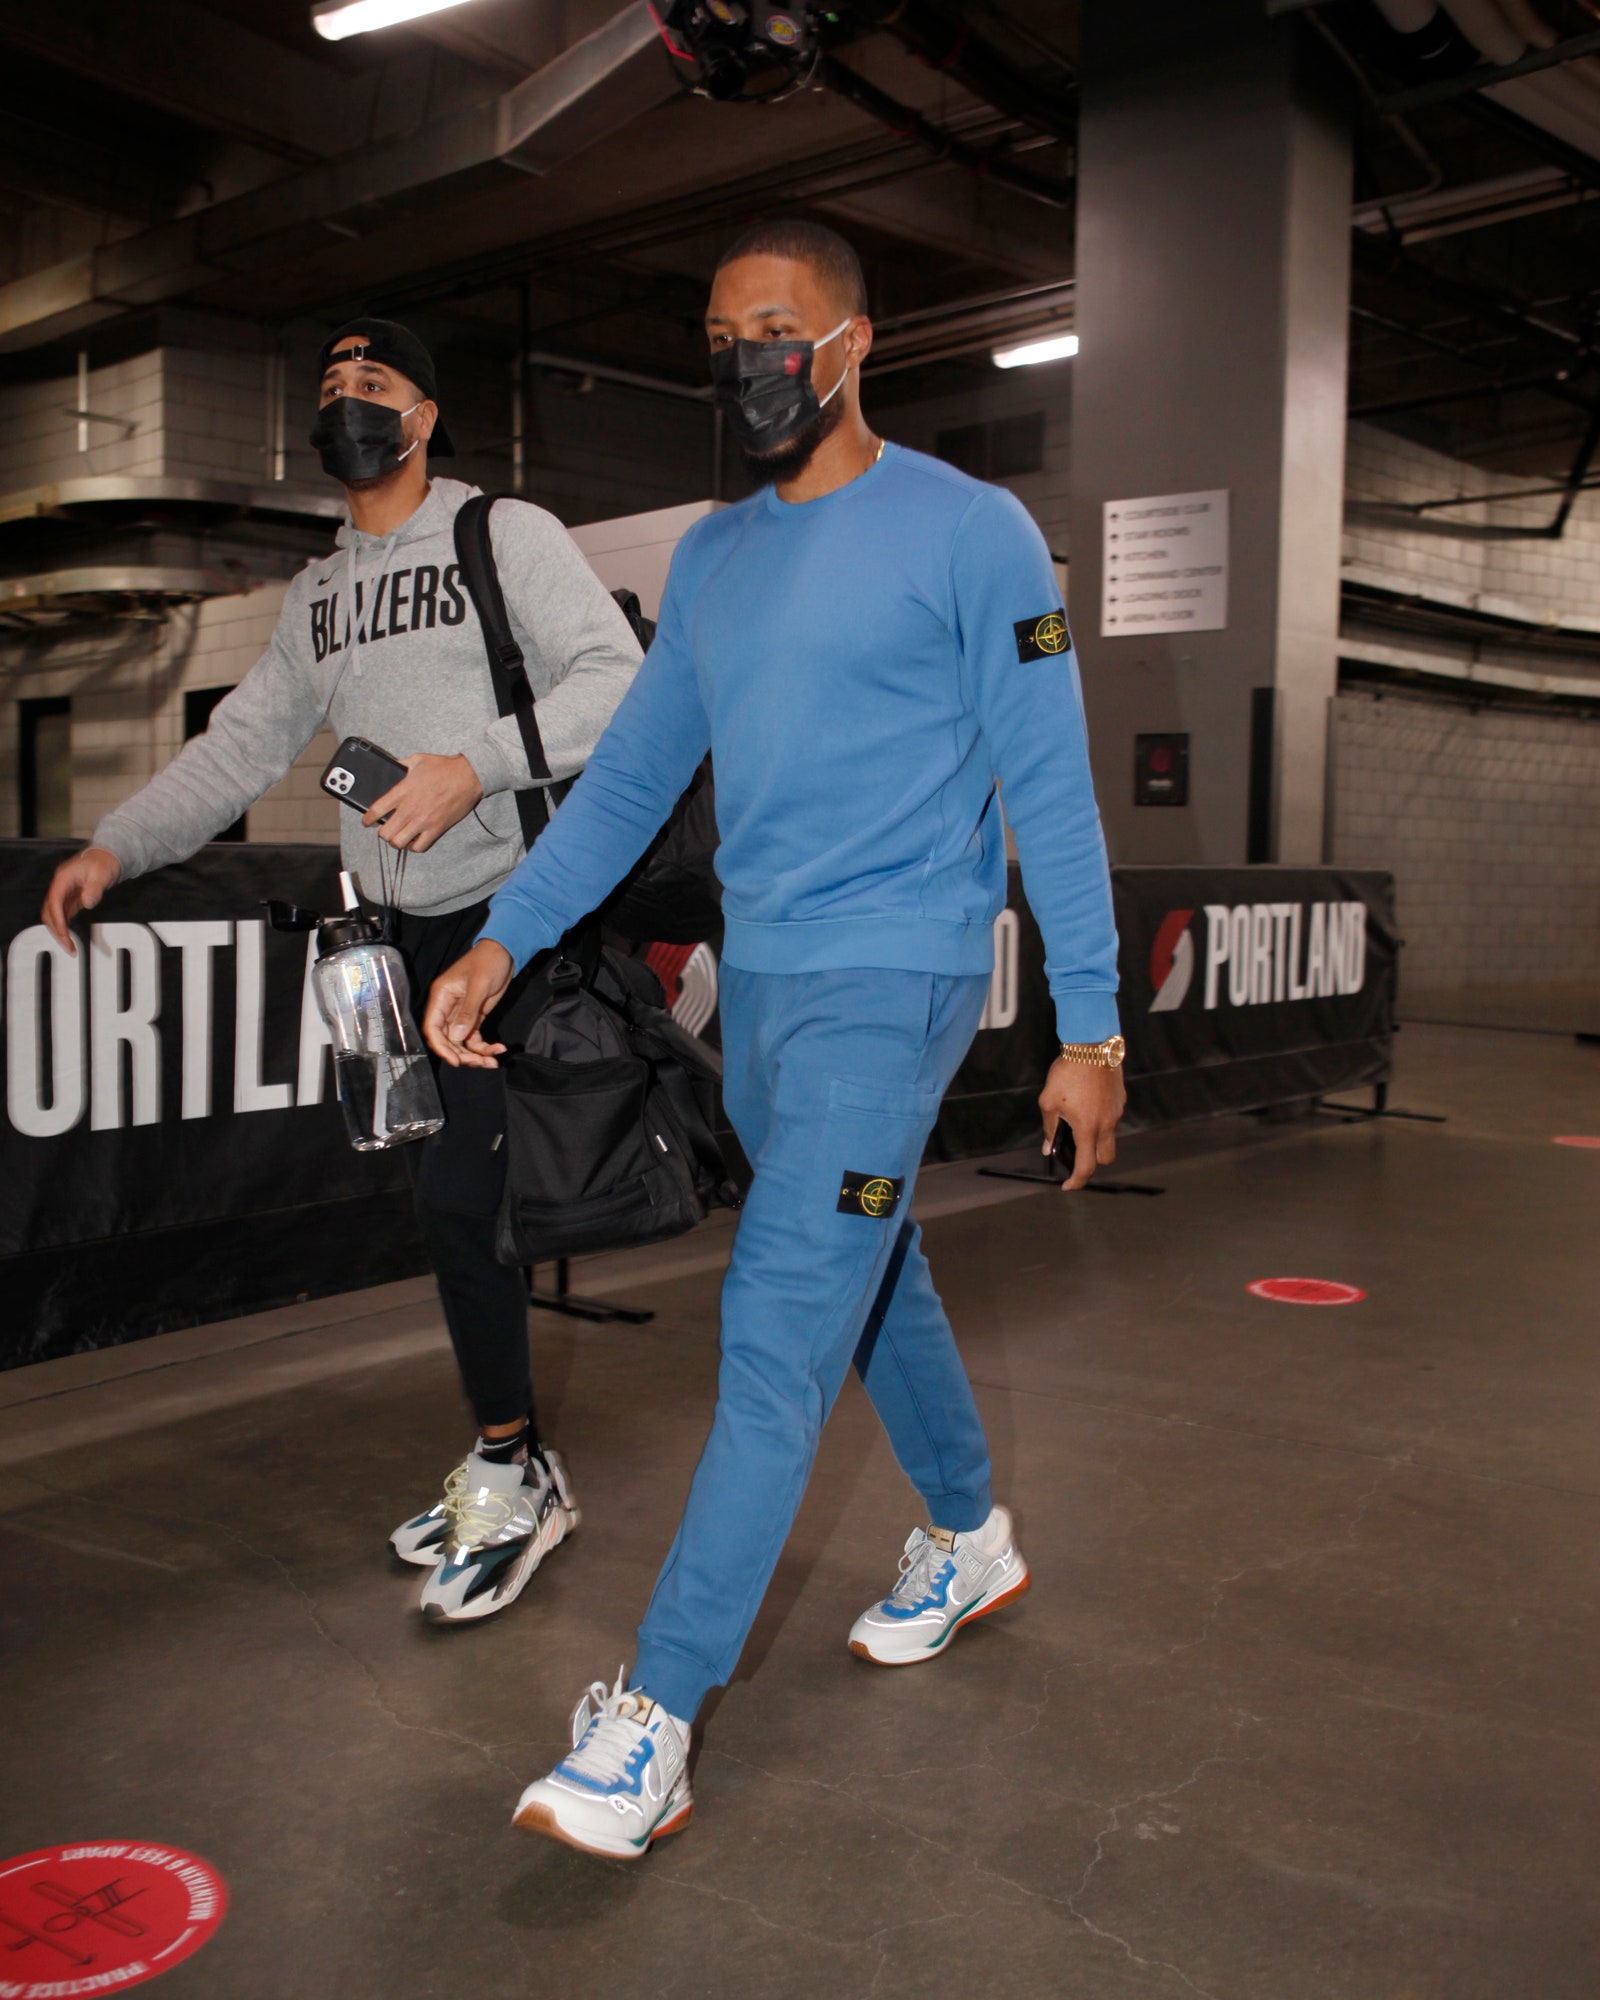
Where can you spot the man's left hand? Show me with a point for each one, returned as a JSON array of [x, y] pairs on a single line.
[[1089, 1102], [427, 802]]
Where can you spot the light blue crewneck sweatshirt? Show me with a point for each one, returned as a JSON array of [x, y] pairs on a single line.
[[863, 667]]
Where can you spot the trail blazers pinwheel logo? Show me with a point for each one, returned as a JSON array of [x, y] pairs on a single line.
[[1171, 961]]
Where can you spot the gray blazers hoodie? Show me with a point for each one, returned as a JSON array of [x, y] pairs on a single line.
[[409, 673]]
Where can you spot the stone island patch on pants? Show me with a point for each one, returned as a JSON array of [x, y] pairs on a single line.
[[833, 1080]]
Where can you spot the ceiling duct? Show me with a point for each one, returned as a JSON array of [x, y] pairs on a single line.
[[130, 592], [599, 84], [1555, 84], [131, 546], [969, 326]]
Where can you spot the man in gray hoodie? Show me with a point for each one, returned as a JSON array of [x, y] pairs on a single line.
[[381, 639]]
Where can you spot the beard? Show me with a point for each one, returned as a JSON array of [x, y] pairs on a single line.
[[790, 459]]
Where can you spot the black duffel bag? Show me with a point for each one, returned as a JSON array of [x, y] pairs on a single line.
[[609, 1110]]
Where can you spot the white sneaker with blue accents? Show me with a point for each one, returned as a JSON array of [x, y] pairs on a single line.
[[946, 1580], [625, 1782]]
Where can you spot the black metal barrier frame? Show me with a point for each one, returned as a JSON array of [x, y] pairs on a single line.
[[171, 1151]]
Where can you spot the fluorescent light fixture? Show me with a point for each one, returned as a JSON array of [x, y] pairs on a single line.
[[334, 19], [1059, 347]]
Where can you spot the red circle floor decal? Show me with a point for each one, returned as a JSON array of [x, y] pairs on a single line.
[[1579, 1139], [98, 1917], [1306, 1291]]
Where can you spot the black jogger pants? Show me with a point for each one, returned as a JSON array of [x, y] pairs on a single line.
[[457, 1179]]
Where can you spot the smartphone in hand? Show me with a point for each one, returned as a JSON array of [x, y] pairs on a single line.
[[359, 773]]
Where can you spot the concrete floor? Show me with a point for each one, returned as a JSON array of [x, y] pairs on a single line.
[[1303, 1701]]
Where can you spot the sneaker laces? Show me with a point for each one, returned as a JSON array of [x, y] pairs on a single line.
[[606, 1729], [475, 1517], [455, 1488], [919, 1566]]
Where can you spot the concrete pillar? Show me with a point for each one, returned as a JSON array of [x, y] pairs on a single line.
[[1213, 288]]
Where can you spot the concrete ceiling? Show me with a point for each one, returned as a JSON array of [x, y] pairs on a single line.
[[542, 159], [510, 143]]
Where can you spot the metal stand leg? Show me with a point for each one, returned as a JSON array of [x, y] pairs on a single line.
[[564, 1300], [1381, 1108]]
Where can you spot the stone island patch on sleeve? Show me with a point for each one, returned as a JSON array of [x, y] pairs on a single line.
[[1043, 637], [870, 1194]]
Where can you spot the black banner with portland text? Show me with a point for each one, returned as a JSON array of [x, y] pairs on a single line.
[[172, 1150], [1240, 988], [1246, 987]]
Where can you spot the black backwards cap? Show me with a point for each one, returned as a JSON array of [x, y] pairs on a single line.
[[396, 347]]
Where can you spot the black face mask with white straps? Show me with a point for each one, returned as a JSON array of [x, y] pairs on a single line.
[[764, 388], [359, 440]]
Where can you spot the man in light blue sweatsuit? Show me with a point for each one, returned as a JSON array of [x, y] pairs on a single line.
[[867, 645]]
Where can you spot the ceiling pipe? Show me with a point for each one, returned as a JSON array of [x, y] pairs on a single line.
[[1473, 393], [1477, 205], [902, 340], [1433, 172], [1537, 32], [953, 46], [623, 378], [1536, 82], [987, 163]]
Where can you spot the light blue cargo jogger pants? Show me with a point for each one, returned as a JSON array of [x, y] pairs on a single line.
[[832, 1081]]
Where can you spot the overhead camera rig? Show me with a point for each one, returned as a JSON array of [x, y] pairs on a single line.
[[731, 43], [762, 51]]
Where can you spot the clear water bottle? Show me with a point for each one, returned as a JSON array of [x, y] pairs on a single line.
[[386, 1086]]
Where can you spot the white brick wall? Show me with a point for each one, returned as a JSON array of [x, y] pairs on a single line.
[[608, 452], [197, 415], [127, 683], [217, 416], [1491, 825], [1547, 579], [39, 433], [1009, 394]]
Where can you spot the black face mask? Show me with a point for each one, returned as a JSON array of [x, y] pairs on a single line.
[[360, 440], [764, 388]]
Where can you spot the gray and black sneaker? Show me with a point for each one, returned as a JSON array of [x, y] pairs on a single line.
[[422, 1538], [502, 1521]]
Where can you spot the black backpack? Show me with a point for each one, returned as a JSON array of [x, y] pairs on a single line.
[[609, 1111], [671, 895]]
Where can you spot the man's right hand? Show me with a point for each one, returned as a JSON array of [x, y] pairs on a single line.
[[458, 1001], [78, 884]]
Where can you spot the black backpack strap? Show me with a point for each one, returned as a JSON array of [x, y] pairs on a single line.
[[507, 668], [644, 629]]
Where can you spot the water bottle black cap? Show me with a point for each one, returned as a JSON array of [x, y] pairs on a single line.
[[351, 927]]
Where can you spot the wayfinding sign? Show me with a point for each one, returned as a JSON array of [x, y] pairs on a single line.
[[1165, 565]]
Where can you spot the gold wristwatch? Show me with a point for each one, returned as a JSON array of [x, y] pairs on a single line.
[[1097, 1055]]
